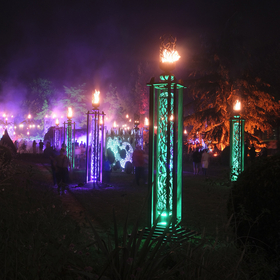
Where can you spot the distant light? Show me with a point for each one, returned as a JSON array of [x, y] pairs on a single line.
[[146, 122]]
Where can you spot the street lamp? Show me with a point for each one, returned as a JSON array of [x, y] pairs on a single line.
[[236, 142], [165, 148], [94, 152]]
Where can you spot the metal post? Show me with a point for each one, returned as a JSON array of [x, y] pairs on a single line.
[[165, 179], [236, 147]]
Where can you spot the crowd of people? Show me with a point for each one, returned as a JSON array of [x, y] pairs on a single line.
[[200, 161], [200, 158]]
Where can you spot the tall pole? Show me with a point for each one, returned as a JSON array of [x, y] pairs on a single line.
[[165, 148], [69, 147], [87, 150], [236, 143], [95, 144]]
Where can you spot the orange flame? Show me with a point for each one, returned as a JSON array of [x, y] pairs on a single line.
[[169, 56], [57, 121], [237, 106], [95, 97], [114, 124], [70, 113]]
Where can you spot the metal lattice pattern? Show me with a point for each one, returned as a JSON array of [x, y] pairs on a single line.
[[95, 147], [164, 188], [236, 150], [69, 148], [57, 138]]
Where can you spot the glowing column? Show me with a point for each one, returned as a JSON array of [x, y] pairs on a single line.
[[69, 145], [236, 143], [95, 146], [57, 135], [165, 148]]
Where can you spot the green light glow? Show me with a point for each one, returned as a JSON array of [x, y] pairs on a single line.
[[166, 149], [236, 147], [164, 175], [69, 148], [165, 77]]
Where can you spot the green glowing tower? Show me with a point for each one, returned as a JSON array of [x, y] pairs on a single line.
[[165, 149], [236, 145], [165, 146], [70, 148]]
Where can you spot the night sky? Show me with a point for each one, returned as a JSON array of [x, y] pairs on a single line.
[[102, 42]]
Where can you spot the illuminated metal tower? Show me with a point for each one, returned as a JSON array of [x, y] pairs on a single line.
[[57, 135], [236, 143], [94, 153], [165, 147], [70, 149]]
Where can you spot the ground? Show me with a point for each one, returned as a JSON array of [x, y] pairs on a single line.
[[204, 200]]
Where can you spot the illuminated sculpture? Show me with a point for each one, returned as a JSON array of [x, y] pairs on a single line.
[[236, 142], [165, 148], [116, 145], [94, 153]]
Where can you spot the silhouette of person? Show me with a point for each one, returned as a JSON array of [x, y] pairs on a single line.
[[252, 153], [41, 145], [196, 161]]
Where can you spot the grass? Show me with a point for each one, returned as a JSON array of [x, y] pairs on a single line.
[[40, 241], [204, 201]]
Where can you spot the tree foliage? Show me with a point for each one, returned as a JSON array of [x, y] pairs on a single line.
[[214, 88], [76, 99], [39, 97], [131, 100]]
